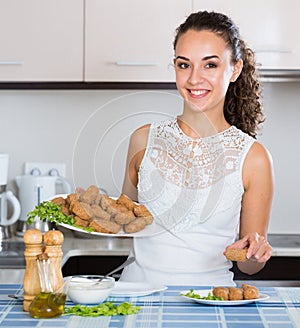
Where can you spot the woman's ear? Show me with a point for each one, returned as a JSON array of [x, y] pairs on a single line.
[[237, 68]]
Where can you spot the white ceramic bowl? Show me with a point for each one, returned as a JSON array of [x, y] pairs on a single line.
[[84, 289]]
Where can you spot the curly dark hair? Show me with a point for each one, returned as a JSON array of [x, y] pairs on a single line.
[[242, 107]]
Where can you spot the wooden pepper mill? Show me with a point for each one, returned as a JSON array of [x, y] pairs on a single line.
[[33, 239], [53, 240]]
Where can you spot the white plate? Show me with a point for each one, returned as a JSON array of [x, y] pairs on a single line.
[[124, 288], [204, 293], [149, 230]]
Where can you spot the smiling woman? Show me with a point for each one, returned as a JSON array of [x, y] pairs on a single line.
[[203, 74], [202, 175]]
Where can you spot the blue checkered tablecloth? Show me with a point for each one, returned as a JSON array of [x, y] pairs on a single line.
[[168, 309]]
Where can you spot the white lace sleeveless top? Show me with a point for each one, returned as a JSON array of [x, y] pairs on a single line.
[[194, 190]]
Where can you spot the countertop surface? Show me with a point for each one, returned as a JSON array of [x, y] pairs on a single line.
[[168, 309], [285, 245], [82, 244], [85, 244], [12, 260]]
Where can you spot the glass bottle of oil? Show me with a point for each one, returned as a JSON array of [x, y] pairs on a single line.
[[47, 304]]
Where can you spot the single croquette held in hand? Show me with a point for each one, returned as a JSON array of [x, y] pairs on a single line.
[[236, 254]]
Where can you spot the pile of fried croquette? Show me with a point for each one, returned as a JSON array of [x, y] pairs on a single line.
[[246, 292], [104, 214]]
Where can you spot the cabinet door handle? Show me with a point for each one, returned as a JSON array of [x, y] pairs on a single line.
[[11, 62], [136, 63], [274, 50]]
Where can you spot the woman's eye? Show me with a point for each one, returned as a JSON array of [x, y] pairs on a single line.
[[211, 65], [183, 65]]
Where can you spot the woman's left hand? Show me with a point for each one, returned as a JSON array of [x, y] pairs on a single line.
[[259, 250]]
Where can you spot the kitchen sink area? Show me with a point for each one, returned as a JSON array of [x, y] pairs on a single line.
[[84, 254]]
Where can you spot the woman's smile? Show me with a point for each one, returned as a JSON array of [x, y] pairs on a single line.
[[198, 93]]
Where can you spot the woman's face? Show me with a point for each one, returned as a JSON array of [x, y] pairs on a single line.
[[204, 70]]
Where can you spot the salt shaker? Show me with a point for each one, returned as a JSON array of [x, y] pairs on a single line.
[[53, 240], [33, 239]]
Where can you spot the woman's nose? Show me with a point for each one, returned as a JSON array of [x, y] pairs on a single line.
[[196, 76]]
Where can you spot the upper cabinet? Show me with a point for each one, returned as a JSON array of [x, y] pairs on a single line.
[[129, 40], [132, 40], [41, 40], [269, 27]]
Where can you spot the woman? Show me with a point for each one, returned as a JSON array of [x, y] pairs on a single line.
[[204, 177]]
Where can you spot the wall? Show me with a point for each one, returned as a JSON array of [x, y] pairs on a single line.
[[281, 135], [89, 131]]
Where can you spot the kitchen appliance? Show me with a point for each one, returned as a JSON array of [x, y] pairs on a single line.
[[7, 201], [32, 191]]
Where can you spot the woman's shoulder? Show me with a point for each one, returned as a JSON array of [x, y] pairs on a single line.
[[142, 129], [258, 169], [139, 137], [259, 154], [141, 133], [258, 163]]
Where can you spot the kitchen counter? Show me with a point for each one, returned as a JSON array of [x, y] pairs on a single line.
[[89, 245], [168, 309], [285, 245], [12, 261]]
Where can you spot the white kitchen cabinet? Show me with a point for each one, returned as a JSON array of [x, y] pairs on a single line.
[[41, 40], [132, 40], [269, 27]]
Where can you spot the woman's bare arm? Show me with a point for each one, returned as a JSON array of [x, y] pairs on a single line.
[[136, 151], [256, 207]]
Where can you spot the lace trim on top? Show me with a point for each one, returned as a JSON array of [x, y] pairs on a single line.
[[194, 164]]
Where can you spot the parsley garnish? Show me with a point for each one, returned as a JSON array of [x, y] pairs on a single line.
[[104, 309], [211, 297]]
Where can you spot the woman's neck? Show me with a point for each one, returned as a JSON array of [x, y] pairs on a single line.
[[201, 124], [200, 128]]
